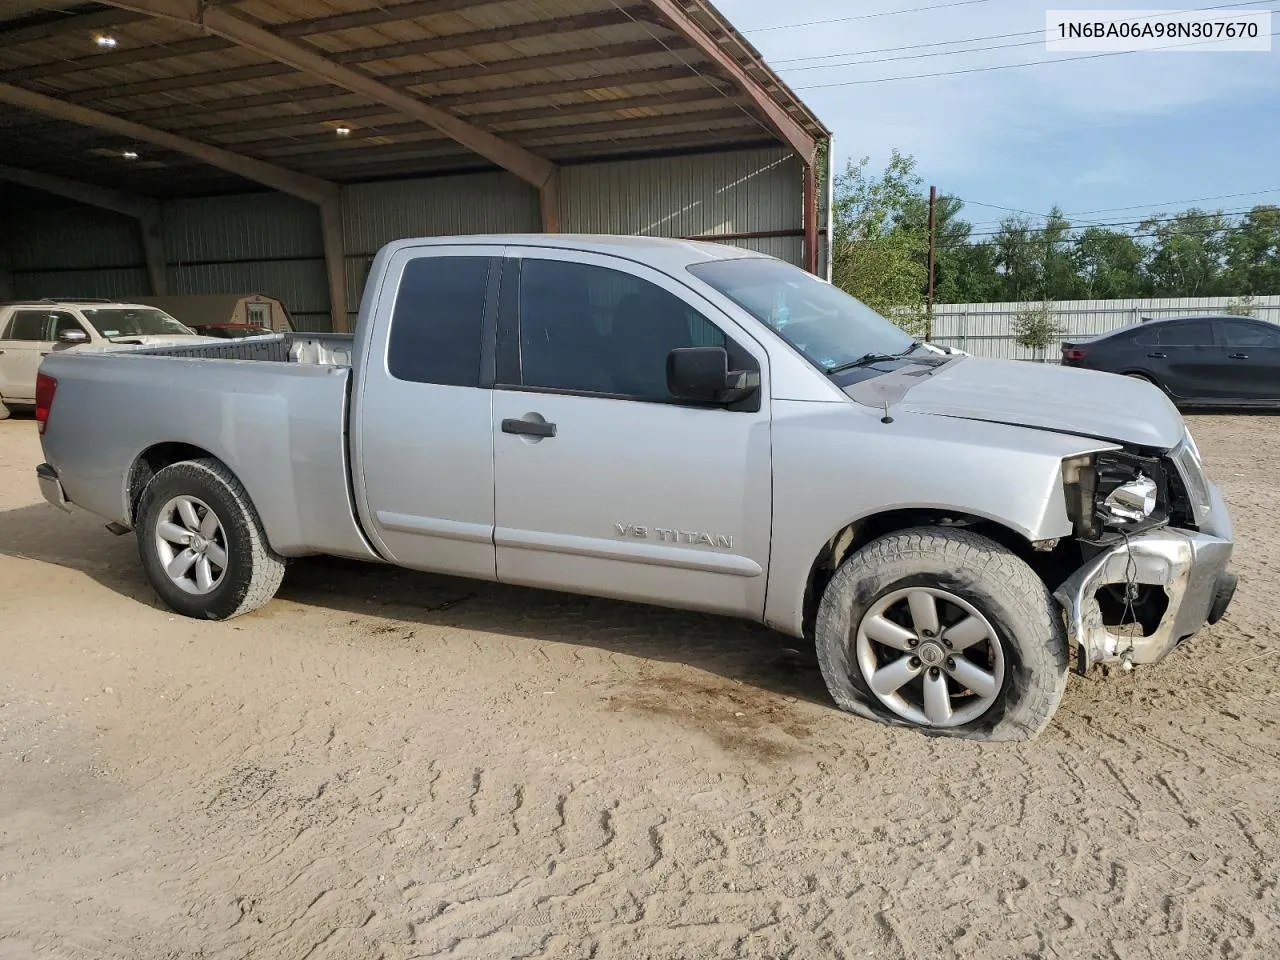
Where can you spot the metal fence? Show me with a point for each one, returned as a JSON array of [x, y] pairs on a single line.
[[987, 329]]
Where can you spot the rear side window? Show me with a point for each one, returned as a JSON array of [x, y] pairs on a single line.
[[1239, 334], [1197, 333], [437, 324], [30, 325]]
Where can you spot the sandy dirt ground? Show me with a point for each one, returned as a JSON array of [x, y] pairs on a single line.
[[383, 764]]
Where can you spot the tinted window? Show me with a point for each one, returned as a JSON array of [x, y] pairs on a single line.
[[1194, 334], [40, 325], [436, 328], [594, 329], [1239, 334]]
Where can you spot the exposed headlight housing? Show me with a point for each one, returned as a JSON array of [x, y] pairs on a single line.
[[1131, 502], [1115, 493]]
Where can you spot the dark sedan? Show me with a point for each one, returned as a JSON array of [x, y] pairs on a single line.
[[1202, 361]]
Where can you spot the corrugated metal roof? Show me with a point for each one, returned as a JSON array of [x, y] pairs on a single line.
[[573, 80]]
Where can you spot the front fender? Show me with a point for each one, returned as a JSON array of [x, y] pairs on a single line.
[[836, 464]]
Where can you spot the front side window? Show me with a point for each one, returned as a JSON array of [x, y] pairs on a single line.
[[114, 322], [436, 330], [1237, 333], [829, 327], [62, 322], [598, 330]]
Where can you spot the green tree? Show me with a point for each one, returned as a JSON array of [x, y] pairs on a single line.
[[1109, 263], [964, 271], [1252, 253], [1240, 306], [1016, 257], [1056, 250], [972, 274], [877, 253], [1036, 328], [1187, 254]]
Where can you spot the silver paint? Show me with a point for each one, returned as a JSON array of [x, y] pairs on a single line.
[[747, 500]]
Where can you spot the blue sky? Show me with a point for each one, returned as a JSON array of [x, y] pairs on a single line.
[[1148, 128]]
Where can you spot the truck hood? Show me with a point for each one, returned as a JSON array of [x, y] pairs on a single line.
[[1038, 395]]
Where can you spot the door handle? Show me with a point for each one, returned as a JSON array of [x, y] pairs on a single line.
[[529, 428], [1157, 356], [1238, 356]]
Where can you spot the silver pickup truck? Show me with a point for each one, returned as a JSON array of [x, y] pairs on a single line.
[[676, 423]]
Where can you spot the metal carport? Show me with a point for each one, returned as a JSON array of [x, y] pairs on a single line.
[[371, 121]]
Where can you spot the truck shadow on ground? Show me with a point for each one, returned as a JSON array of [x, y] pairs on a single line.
[[736, 650]]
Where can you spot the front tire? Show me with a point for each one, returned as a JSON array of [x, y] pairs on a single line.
[[202, 545], [944, 630]]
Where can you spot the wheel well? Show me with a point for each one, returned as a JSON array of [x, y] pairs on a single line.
[[154, 459], [861, 532]]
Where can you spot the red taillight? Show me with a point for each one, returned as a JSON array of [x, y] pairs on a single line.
[[1074, 353], [46, 386]]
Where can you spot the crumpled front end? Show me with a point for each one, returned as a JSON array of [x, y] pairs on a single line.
[[1167, 582]]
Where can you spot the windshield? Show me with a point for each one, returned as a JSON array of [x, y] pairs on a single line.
[[823, 322], [135, 322]]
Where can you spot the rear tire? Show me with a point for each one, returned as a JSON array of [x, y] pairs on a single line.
[[202, 545], [4, 411], [1011, 653]]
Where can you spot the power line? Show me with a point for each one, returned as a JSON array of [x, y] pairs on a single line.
[[997, 36], [1075, 228], [918, 46], [1075, 241], [996, 206], [912, 56], [1170, 203], [1004, 66], [1081, 225], [865, 16]]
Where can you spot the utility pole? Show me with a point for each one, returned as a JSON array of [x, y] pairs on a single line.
[[933, 245]]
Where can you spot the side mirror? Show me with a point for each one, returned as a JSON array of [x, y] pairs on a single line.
[[73, 335], [702, 374]]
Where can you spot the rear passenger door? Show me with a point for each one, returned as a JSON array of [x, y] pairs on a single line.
[[604, 483], [423, 451], [1252, 363]]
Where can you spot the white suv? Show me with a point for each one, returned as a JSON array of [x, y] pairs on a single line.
[[30, 330]]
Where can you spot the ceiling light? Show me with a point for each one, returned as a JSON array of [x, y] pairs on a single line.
[[129, 155], [105, 40], [342, 131]]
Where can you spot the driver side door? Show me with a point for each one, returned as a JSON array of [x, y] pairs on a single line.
[[604, 483]]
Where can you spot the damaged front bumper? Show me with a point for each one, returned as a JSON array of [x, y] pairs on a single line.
[[1190, 566]]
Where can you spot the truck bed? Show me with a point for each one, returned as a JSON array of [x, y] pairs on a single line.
[[273, 409], [324, 349]]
